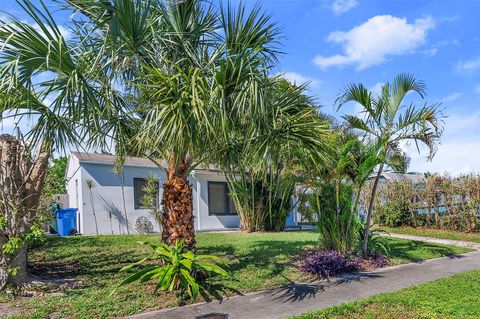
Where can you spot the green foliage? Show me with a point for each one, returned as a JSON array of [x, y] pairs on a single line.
[[378, 243], [150, 199], [337, 223], [338, 232], [179, 271], [55, 182], [395, 205], [437, 202], [387, 123], [271, 152], [263, 203]]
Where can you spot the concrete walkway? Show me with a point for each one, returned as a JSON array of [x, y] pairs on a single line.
[[451, 242], [299, 298]]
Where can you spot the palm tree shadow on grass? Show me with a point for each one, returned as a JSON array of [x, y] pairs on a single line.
[[272, 257], [262, 254], [409, 250]]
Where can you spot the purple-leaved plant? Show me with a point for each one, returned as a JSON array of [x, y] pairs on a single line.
[[328, 263]]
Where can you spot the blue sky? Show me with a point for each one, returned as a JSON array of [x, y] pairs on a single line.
[[331, 43]]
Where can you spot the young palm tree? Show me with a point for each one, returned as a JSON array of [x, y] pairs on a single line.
[[387, 123]]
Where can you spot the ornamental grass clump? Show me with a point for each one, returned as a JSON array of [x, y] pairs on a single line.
[[326, 264]]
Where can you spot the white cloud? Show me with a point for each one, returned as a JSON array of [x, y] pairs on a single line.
[[5, 17], [66, 33], [299, 79], [8, 123], [453, 156], [459, 151], [374, 41], [468, 66], [456, 124], [341, 6], [452, 97]]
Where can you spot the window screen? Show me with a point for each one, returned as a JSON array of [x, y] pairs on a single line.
[[139, 192], [219, 202]]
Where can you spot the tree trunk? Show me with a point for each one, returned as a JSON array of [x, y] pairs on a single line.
[[177, 201], [13, 269], [370, 211], [21, 183]]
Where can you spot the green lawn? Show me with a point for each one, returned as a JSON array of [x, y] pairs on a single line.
[[450, 298], [257, 261], [435, 233]]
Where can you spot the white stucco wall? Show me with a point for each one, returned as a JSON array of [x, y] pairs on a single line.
[[73, 178], [107, 196], [205, 221]]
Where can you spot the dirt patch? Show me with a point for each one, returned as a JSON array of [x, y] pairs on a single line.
[[9, 308]]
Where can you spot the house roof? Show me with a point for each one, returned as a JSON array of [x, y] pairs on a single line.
[[405, 177], [110, 159], [129, 161]]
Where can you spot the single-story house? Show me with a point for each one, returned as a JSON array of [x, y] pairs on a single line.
[[111, 194]]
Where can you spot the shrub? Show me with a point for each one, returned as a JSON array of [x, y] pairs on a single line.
[[377, 244], [178, 270], [444, 202], [325, 264], [338, 232]]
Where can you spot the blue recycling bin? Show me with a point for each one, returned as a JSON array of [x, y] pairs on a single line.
[[66, 221]]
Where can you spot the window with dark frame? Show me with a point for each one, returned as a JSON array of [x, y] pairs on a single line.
[[219, 201], [139, 192]]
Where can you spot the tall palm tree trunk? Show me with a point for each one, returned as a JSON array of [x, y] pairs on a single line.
[[177, 201], [370, 211]]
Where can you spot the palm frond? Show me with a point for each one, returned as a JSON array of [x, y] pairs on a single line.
[[402, 85]]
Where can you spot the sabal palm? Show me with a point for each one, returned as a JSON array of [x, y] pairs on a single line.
[[387, 122]]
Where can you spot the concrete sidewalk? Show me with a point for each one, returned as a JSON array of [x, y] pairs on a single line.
[[299, 298]]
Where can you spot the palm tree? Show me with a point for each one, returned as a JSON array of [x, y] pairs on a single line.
[[177, 72], [265, 157], [46, 79], [387, 122]]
